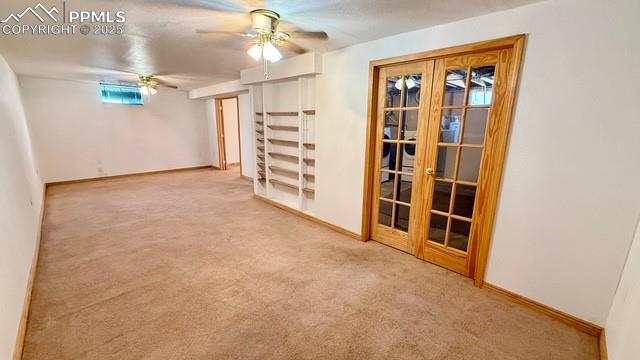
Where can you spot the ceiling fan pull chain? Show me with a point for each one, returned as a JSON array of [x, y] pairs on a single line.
[[266, 69]]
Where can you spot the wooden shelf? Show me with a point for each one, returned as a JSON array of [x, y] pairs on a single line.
[[261, 147], [309, 146], [261, 132], [283, 170], [262, 180], [259, 113], [261, 173], [261, 156], [309, 112], [259, 122], [309, 176], [283, 127], [309, 161], [309, 191], [284, 142], [283, 183], [284, 156], [283, 113]]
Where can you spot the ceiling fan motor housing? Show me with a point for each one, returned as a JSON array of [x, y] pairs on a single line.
[[265, 21]]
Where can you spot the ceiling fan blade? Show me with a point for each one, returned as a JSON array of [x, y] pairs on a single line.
[[235, 33], [320, 35], [168, 86], [293, 47]]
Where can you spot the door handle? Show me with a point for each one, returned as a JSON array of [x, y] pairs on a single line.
[[430, 171]]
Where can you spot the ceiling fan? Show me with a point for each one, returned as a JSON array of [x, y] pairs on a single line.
[[148, 84], [266, 37]]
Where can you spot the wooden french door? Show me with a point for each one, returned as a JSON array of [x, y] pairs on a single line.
[[441, 134], [403, 97]]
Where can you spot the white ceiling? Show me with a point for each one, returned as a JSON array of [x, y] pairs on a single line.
[[160, 35]]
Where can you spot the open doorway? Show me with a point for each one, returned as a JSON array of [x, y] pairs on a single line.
[[228, 124]]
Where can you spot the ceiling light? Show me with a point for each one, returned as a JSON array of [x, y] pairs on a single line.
[[271, 53], [144, 90], [410, 83], [399, 84], [152, 91], [255, 52]]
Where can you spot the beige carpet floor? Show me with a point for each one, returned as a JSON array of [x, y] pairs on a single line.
[[188, 265]]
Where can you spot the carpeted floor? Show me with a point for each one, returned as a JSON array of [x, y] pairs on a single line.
[[188, 265]]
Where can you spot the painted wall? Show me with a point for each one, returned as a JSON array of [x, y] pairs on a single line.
[[76, 136], [569, 199], [246, 136], [21, 201], [212, 134], [231, 130], [623, 324]]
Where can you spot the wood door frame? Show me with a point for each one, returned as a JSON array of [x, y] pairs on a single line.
[[517, 43], [222, 148]]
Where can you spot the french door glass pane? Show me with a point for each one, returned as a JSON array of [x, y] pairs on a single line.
[[384, 214], [393, 92], [402, 217], [446, 162], [481, 90], [410, 125], [438, 228], [459, 234], [404, 188], [388, 156], [451, 126], [387, 181], [455, 86], [475, 124], [413, 86], [407, 157], [464, 201], [470, 164], [442, 196], [391, 123]]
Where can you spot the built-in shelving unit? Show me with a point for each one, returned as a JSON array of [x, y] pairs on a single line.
[[285, 141], [261, 174]]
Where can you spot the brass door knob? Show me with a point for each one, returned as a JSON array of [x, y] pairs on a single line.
[[430, 171]]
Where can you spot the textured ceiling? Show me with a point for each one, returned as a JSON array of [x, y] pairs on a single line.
[[159, 35]]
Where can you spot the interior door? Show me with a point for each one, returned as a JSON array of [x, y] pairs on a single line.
[[466, 112], [403, 98]]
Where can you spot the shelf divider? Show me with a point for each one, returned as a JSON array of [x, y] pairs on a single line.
[[283, 127], [284, 183], [284, 156], [282, 113]]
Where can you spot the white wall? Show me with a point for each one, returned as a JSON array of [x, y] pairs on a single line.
[[623, 324], [569, 199], [76, 136], [246, 136], [20, 206], [231, 130]]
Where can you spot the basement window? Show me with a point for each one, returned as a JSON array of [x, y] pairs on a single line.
[[124, 94]]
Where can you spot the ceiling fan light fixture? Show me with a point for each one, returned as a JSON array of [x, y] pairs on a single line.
[[271, 53], [144, 90], [152, 91], [399, 84], [255, 52], [410, 83]]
